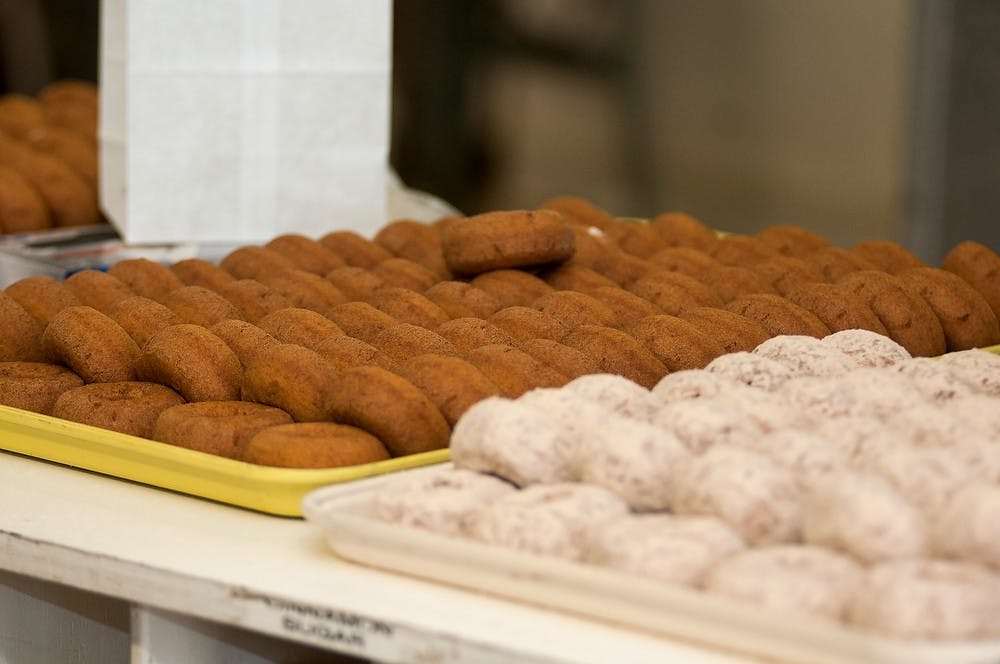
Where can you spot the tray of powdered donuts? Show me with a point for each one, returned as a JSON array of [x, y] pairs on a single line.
[[840, 482], [304, 361]]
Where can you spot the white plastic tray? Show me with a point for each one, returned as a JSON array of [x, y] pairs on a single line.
[[344, 513]]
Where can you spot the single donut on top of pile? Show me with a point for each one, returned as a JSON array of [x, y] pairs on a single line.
[[498, 240]]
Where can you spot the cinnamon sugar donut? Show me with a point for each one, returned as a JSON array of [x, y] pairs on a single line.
[[314, 445], [834, 262], [193, 361], [254, 262], [792, 241], [499, 240], [617, 353], [979, 266], [626, 306], [964, 314], [416, 241], [459, 299], [779, 315], [305, 253], [355, 250], [513, 371], [403, 340], [91, 344], [837, 307], [592, 247], [20, 333], [126, 407], [299, 326], [97, 289], [408, 306], [579, 211], [305, 290], [512, 287], [199, 272], [142, 317], [222, 428], [522, 323], [685, 260], [34, 386], [252, 299], [356, 283], [145, 277], [673, 292], [403, 273], [468, 333], [743, 250], [293, 378], [361, 320], [636, 238], [345, 351], [567, 361], [680, 229], [623, 268], [390, 408], [886, 255], [42, 297], [730, 282], [200, 306], [246, 340], [784, 273], [675, 342], [574, 309], [569, 276], [734, 332], [452, 384]]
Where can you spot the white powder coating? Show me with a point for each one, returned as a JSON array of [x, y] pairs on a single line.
[[511, 440], [550, 520], [575, 417], [677, 550], [806, 356], [857, 437], [934, 379], [926, 476], [822, 398], [795, 579], [691, 384], [615, 393], [925, 598], [884, 391], [702, 423], [968, 527], [862, 515], [929, 426], [638, 461], [868, 349], [750, 369], [978, 368], [979, 411], [768, 410], [751, 493], [808, 456], [442, 502]]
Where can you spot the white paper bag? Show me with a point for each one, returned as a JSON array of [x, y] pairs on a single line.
[[238, 120]]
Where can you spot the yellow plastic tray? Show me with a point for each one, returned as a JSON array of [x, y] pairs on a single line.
[[266, 489]]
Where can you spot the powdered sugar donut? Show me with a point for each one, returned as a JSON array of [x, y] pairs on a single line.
[[548, 519], [926, 476], [751, 493], [635, 459], [663, 547], [512, 440], [806, 356], [768, 410], [933, 379], [808, 455], [864, 516], [868, 349], [883, 390], [441, 502], [967, 528], [616, 393], [822, 398], [796, 579], [921, 598], [856, 437], [979, 412], [753, 370], [978, 368], [692, 384], [701, 423]]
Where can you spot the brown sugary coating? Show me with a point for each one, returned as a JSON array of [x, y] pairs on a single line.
[[579, 211], [404, 273], [685, 260], [129, 407], [636, 238], [299, 326], [627, 306], [34, 386], [408, 306], [459, 299], [252, 299], [592, 246], [730, 282], [91, 344], [305, 253], [674, 292], [677, 343], [142, 317], [837, 307], [907, 317], [345, 352], [200, 306], [246, 340], [146, 278], [964, 314], [355, 250], [523, 323], [70, 148], [785, 273], [305, 289], [20, 115], [42, 297], [793, 241], [97, 289], [980, 267], [451, 383], [199, 272], [834, 262], [22, 207], [513, 371], [77, 117], [568, 276], [69, 90], [404, 340], [742, 250], [512, 287], [506, 239], [618, 353], [70, 200], [778, 315], [417, 242], [468, 333], [570, 362], [293, 378], [736, 333], [254, 262], [623, 268], [20, 333], [361, 320], [390, 408], [222, 428], [682, 230], [314, 445], [573, 309], [356, 283], [193, 361], [886, 255]]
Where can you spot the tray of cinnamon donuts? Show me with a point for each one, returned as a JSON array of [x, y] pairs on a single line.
[[318, 360]]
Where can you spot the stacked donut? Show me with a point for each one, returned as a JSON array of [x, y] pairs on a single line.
[[48, 158], [839, 478]]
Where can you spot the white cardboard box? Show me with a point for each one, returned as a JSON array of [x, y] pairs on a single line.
[[238, 120]]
